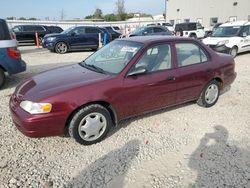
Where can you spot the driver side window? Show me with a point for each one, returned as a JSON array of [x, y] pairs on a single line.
[[156, 59]]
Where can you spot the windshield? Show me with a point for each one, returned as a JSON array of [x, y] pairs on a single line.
[[68, 30], [113, 57], [227, 31]]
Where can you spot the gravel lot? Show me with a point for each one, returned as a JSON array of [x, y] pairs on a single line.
[[184, 146]]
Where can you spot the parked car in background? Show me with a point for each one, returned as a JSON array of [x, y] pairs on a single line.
[[167, 25], [191, 29], [116, 28], [125, 78], [75, 38], [231, 38], [27, 33], [150, 30], [209, 32], [54, 29], [10, 57], [113, 32]]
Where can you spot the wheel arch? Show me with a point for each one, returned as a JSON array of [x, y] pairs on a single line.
[[103, 103]]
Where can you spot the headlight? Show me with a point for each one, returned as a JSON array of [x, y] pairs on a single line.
[[36, 108], [50, 39], [222, 42]]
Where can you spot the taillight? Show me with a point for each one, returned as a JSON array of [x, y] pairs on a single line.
[[14, 53], [13, 35]]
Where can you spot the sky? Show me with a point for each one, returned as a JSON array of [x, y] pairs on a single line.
[[73, 8]]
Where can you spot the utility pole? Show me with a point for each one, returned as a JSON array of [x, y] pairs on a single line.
[[166, 8]]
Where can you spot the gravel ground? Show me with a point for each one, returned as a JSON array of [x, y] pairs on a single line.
[[183, 146]]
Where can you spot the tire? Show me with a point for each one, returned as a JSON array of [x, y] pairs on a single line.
[[90, 124], [193, 36], [61, 48], [233, 52], [2, 78], [207, 100]]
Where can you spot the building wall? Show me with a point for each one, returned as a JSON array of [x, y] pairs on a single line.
[[204, 10]]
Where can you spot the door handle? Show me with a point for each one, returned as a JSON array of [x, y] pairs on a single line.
[[171, 78]]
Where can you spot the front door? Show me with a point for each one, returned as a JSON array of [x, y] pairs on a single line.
[[246, 39], [154, 89], [77, 37]]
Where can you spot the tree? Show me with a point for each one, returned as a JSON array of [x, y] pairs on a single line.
[[110, 17], [120, 5], [98, 13], [10, 18], [22, 18], [32, 19]]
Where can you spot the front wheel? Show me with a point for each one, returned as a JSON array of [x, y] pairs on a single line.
[[233, 52], [210, 94], [61, 48], [90, 124], [2, 78]]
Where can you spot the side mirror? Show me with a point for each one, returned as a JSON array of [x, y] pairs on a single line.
[[244, 34], [138, 71], [73, 34], [145, 33]]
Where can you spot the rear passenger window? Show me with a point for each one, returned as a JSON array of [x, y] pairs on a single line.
[[92, 30], [4, 31], [158, 30], [189, 54], [28, 28]]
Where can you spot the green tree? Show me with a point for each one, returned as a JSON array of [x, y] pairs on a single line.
[[120, 6], [98, 13], [22, 18], [110, 17], [32, 19]]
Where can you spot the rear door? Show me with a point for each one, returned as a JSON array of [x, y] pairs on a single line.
[[92, 36], [28, 34], [154, 89], [194, 70]]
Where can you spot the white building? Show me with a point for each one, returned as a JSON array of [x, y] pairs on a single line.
[[207, 12]]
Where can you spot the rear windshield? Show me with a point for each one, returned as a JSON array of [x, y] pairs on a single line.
[[4, 31], [185, 27]]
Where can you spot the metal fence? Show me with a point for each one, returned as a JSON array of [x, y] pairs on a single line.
[[125, 26]]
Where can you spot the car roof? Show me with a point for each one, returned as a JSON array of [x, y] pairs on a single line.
[[154, 39], [237, 23]]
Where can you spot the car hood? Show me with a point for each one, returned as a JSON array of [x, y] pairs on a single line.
[[56, 81], [215, 40]]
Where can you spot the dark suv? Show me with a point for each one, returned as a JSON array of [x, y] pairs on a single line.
[[27, 33], [10, 57], [150, 30], [76, 38]]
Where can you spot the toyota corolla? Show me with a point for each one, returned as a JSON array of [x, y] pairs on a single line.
[[128, 77]]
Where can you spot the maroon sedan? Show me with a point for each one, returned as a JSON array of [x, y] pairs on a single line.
[[126, 78]]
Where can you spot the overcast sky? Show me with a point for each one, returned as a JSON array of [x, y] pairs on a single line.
[[73, 8]]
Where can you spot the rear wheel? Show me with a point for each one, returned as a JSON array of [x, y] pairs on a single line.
[[210, 94], [90, 124], [2, 78], [234, 51], [61, 48], [193, 36]]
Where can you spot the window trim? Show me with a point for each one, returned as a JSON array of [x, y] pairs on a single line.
[[194, 43], [171, 44]]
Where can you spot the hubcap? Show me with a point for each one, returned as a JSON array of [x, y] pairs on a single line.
[[211, 94], [233, 52], [92, 126], [61, 48]]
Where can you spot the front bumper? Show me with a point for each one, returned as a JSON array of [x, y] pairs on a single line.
[[36, 126], [221, 49], [48, 45]]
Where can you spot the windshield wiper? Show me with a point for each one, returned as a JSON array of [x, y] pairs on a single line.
[[93, 67]]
